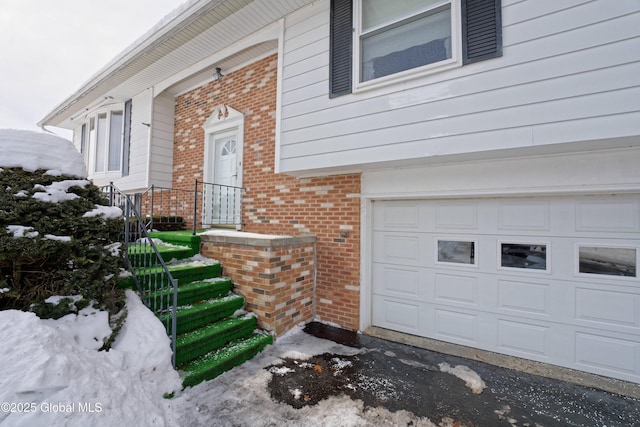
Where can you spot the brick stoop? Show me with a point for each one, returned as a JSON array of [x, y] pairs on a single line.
[[214, 334]]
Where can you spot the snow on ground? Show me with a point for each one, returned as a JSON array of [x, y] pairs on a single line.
[[466, 374], [48, 378], [89, 328], [240, 397], [38, 150], [51, 375]]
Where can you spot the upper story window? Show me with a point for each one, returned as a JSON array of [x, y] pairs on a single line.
[[376, 41], [400, 36]]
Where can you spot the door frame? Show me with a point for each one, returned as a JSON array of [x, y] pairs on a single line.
[[224, 119]]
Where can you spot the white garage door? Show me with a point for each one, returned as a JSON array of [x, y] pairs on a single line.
[[549, 279]]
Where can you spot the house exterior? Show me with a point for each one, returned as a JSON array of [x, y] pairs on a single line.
[[470, 169]]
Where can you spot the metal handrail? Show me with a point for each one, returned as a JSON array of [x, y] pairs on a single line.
[[222, 204], [206, 205], [156, 286], [170, 203]]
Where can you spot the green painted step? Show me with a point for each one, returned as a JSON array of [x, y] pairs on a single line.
[[193, 292], [142, 254], [192, 317], [185, 273], [191, 345], [215, 363], [183, 238]]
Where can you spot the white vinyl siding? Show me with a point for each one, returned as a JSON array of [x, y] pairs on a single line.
[[570, 73], [161, 162]]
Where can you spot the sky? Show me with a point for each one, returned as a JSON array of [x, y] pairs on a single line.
[[48, 49]]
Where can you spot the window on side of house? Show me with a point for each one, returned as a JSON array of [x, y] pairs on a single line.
[[377, 41], [101, 142], [400, 36], [105, 138], [84, 141]]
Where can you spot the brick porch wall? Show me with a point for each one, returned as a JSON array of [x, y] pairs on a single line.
[[275, 275], [326, 207]]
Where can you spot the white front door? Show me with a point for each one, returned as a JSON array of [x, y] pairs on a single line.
[[222, 196], [222, 193], [225, 166]]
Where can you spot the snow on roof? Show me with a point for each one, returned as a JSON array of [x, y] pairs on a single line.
[[32, 150]]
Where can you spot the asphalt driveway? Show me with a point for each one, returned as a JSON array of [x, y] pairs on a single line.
[[435, 386]]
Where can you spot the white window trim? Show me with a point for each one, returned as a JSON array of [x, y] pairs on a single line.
[[92, 143], [223, 120], [454, 62], [527, 242], [605, 277], [439, 263]]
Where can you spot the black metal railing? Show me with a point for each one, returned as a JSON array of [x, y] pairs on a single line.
[[207, 205], [166, 208], [221, 204], [156, 286]]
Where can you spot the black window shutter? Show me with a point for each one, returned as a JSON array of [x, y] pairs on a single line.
[[340, 47], [481, 30]]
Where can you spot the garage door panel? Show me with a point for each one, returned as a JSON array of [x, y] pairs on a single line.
[[455, 326], [401, 249], [608, 308], [525, 339], [401, 281], [397, 215], [439, 271], [532, 215], [456, 215], [453, 288], [397, 314], [524, 298], [607, 355], [607, 215]]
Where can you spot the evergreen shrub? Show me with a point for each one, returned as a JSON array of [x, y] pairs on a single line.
[[62, 251]]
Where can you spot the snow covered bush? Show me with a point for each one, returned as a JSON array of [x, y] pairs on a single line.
[[57, 236]]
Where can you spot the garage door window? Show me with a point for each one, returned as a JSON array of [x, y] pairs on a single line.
[[457, 251], [607, 260], [529, 256]]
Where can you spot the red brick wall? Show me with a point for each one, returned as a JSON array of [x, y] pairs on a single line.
[[327, 207]]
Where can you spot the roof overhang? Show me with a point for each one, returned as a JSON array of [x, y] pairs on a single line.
[[186, 39]]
